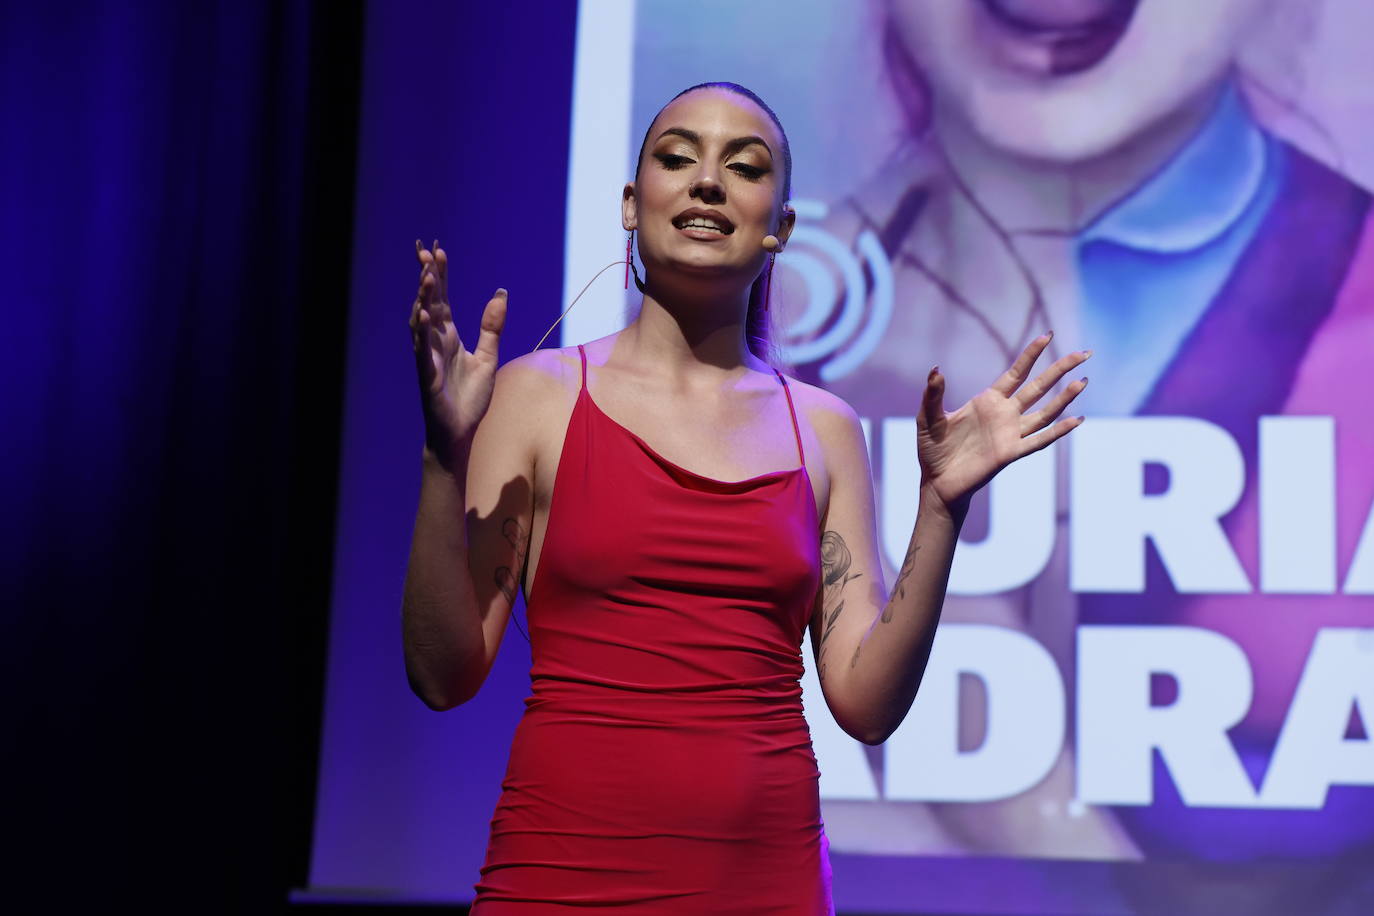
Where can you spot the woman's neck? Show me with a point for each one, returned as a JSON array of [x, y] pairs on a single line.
[[699, 338]]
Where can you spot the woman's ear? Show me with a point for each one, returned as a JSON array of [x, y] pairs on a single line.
[[629, 207], [786, 224]]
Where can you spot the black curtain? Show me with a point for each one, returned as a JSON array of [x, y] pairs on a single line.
[[175, 226]]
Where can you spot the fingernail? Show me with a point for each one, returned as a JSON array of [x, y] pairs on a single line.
[[1087, 353], [1084, 380], [1049, 333], [501, 291]]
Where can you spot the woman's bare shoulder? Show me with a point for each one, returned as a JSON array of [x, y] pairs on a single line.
[[539, 373], [531, 392], [834, 423], [829, 413], [550, 369], [837, 433]]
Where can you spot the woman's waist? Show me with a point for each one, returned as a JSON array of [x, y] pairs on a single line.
[[760, 699], [768, 741], [707, 778]]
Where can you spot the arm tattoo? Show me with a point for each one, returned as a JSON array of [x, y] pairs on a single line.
[[835, 562], [899, 587], [506, 576], [835, 557]]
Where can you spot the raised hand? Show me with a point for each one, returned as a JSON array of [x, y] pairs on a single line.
[[455, 385], [961, 451]]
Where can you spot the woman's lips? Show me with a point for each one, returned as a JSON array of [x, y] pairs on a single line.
[[707, 225], [1041, 15], [705, 235], [1054, 37]]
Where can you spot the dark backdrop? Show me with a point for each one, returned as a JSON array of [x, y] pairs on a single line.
[[175, 251]]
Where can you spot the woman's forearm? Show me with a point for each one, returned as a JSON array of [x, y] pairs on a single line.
[[440, 622], [889, 662]]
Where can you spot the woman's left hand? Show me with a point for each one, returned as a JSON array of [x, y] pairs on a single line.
[[961, 451]]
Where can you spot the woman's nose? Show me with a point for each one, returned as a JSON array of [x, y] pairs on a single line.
[[707, 189]]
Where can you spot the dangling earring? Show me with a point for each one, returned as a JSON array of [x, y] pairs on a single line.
[[629, 245], [768, 283]]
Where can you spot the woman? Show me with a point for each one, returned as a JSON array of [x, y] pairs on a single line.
[[1104, 167], [663, 759]]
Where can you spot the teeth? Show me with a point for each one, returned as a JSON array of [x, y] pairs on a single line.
[[698, 222]]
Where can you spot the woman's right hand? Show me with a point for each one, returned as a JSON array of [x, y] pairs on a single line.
[[455, 385]]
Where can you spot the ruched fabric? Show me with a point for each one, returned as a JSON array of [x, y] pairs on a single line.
[[662, 764]]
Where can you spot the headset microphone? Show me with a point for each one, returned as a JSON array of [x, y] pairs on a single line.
[[770, 243]]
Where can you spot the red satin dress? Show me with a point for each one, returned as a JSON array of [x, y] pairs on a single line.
[[662, 764]]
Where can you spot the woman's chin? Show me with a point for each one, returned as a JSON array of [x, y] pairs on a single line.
[[1066, 127], [1048, 133], [710, 268]]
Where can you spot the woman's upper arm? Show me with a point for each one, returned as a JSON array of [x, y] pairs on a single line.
[[852, 593], [500, 489]]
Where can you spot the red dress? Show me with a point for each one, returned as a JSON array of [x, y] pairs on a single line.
[[662, 764]]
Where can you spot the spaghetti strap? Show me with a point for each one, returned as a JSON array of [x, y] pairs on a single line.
[[581, 351], [801, 455]]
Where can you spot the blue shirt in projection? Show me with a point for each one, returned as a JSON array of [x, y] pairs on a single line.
[[1150, 265]]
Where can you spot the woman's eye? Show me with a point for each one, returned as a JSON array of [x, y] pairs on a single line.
[[671, 160], [752, 172]]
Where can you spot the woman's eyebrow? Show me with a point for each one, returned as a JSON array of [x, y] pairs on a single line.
[[733, 146], [689, 135], [739, 143]]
